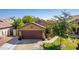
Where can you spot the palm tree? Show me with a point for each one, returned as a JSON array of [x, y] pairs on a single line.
[[17, 23]]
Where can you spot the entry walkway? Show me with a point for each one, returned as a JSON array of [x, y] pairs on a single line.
[[52, 39]]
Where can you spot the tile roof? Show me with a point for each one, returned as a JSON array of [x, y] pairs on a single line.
[[4, 24]]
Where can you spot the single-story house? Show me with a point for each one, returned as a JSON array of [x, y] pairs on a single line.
[[5, 28], [32, 31]]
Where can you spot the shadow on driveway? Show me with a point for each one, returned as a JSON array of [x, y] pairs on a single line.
[[15, 41]]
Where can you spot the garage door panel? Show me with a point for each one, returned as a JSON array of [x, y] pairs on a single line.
[[33, 34]]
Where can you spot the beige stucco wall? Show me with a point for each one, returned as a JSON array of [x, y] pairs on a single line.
[[4, 32], [15, 32]]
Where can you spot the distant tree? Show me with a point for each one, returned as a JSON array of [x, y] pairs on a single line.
[[28, 19]]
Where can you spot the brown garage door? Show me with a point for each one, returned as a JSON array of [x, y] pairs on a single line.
[[32, 34]]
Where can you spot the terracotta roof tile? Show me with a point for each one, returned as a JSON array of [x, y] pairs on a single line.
[[4, 24]]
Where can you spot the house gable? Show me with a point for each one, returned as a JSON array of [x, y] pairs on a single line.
[[32, 27]]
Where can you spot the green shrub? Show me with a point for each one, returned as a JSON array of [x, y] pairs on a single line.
[[50, 46], [47, 46]]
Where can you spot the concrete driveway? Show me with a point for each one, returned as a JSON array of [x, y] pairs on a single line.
[[29, 44], [25, 44]]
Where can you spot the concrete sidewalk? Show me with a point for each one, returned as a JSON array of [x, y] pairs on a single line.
[[7, 46]]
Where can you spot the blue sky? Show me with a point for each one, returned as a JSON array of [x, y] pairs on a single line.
[[42, 13]]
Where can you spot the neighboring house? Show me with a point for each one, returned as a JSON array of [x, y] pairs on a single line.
[[76, 20], [41, 22], [32, 31], [5, 28]]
